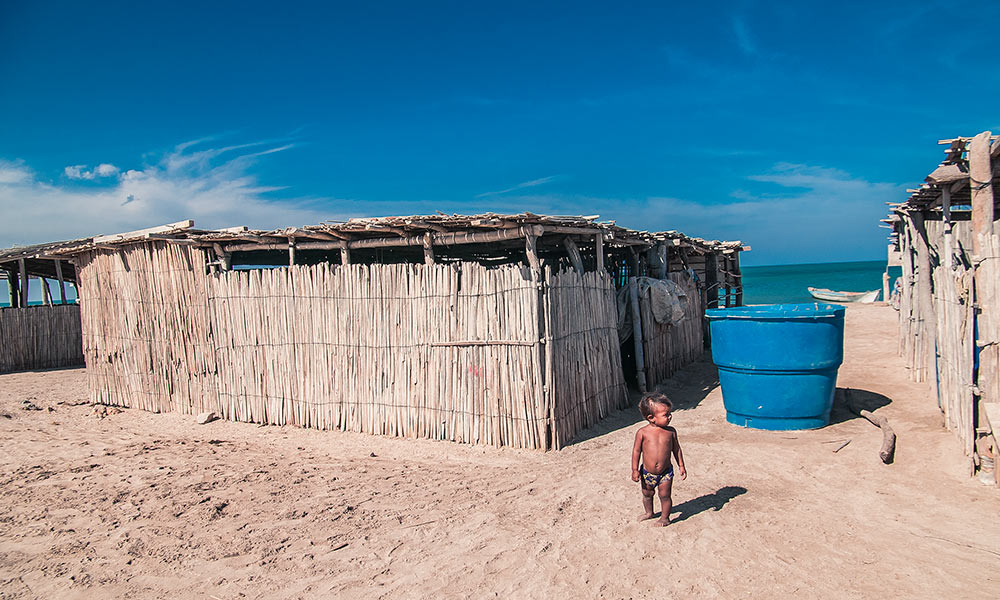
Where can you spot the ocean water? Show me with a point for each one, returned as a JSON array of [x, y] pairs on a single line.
[[779, 284], [774, 284]]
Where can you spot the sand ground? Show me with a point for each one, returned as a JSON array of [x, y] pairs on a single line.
[[133, 504]]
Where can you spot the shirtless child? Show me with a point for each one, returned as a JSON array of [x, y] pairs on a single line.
[[654, 444]]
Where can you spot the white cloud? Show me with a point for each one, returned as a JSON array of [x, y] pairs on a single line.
[[105, 170], [214, 186], [12, 172], [81, 172], [520, 186]]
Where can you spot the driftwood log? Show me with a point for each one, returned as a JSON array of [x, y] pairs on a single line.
[[888, 435], [888, 449]]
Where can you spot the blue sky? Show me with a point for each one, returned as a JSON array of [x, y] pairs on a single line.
[[784, 125]]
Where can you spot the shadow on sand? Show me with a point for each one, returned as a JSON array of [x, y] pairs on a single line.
[[687, 388], [848, 401], [714, 501]]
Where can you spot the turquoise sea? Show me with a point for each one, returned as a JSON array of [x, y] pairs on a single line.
[[779, 284], [773, 284]]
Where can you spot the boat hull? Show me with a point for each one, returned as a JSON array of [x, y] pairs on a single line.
[[851, 297]]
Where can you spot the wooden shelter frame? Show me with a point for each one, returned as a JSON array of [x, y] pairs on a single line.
[[945, 238]]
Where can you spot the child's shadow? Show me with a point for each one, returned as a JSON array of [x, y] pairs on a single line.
[[715, 501]]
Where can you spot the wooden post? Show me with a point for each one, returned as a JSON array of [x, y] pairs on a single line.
[[574, 254], [981, 184], [13, 288], [428, 249], [345, 255], [225, 258], [46, 292], [948, 240], [24, 282], [712, 279], [599, 251], [738, 278], [10, 286], [291, 251], [728, 280], [62, 281], [640, 356], [660, 251], [927, 327], [531, 251], [634, 262]]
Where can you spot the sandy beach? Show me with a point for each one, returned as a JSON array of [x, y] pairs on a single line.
[[109, 503]]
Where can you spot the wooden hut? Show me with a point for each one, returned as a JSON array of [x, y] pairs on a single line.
[[947, 242], [46, 335], [490, 329]]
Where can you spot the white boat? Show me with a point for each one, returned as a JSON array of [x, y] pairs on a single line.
[[835, 296]]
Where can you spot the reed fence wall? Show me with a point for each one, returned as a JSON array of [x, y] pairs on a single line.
[[501, 356], [584, 370], [146, 329], [942, 307], [40, 337], [668, 347], [406, 350]]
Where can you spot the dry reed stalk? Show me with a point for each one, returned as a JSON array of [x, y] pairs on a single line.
[[40, 337]]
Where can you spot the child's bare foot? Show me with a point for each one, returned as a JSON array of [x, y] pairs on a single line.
[[647, 516], [661, 522]]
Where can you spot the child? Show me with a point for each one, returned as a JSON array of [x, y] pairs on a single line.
[[654, 443]]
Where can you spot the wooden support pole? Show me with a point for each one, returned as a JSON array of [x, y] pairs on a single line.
[[599, 251], [24, 282], [225, 258], [531, 251], [660, 252], [712, 280], [949, 242], [13, 289], [291, 251], [927, 326], [574, 254], [428, 249], [345, 255], [729, 288], [46, 292], [10, 286], [984, 248], [62, 281], [634, 262], [640, 355], [738, 278], [981, 183], [683, 253]]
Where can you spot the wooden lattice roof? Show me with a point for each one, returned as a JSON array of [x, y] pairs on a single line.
[[380, 232]]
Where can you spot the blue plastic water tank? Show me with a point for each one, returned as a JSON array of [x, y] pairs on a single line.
[[778, 363]]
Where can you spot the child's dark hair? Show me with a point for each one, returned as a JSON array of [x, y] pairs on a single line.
[[651, 398]]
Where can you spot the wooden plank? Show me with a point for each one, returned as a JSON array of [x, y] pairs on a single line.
[[574, 254], [62, 282], [24, 282], [140, 233]]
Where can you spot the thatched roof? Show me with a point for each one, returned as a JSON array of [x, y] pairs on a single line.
[[401, 231]]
